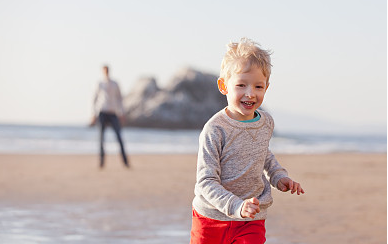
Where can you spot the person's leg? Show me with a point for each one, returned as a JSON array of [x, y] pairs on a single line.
[[208, 231], [102, 124], [249, 232], [114, 120]]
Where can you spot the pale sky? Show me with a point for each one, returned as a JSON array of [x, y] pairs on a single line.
[[329, 57]]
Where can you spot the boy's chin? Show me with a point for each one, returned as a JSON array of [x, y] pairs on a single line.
[[244, 115], [241, 113], [248, 111]]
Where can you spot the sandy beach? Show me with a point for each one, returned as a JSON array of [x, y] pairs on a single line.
[[68, 199]]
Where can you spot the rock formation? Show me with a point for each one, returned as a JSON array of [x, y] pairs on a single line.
[[187, 102]]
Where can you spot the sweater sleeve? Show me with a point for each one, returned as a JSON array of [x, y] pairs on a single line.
[[274, 170], [208, 175]]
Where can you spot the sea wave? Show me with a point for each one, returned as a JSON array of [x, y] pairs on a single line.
[[84, 140]]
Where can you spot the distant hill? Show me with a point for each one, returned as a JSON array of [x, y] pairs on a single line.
[[187, 102]]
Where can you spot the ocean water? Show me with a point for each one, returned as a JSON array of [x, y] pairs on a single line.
[[29, 139]]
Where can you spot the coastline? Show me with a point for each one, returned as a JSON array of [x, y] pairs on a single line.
[[345, 200]]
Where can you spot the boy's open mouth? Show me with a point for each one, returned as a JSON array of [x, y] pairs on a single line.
[[248, 105]]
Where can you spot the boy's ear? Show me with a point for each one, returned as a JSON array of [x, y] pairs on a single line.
[[267, 86], [222, 86]]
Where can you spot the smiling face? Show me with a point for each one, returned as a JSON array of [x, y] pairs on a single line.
[[245, 93]]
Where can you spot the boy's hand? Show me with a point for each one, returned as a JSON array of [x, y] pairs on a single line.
[[286, 184], [250, 208]]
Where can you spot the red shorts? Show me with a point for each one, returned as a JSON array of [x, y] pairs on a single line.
[[210, 231]]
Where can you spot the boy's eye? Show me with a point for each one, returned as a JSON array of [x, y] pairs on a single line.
[[259, 87], [240, 85]]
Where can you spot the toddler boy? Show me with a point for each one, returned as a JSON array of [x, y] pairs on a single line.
[[232, 193]]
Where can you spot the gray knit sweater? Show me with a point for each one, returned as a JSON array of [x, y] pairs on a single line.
[[232, 159]]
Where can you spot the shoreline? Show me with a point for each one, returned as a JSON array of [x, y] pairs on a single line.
[[140, 154], [345, 200]]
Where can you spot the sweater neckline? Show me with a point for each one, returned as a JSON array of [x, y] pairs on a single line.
[[242, 125]]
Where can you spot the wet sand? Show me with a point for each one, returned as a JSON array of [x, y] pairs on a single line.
[[345, 200]]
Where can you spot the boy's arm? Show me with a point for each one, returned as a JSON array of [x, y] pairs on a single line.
[[278, 176], [208, 176], [274, 170]]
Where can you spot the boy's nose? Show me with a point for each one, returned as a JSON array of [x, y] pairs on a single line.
[[249, 93]]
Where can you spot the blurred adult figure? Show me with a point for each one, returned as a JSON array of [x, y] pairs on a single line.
[[109, 110]]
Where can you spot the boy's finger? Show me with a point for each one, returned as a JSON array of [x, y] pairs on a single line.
[[254, 200], [282, 187], [295, 187], [253, 209], [299, 190], [253, 214], [290, 184]]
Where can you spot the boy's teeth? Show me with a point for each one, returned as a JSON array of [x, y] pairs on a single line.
[[248, 103]]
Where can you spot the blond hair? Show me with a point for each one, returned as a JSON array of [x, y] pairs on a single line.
[[241, 56]]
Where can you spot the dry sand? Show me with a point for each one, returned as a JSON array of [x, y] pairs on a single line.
[[345, 200]]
